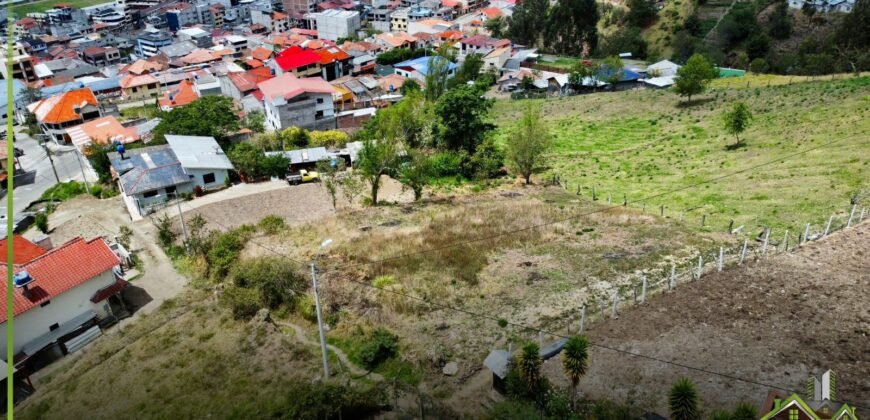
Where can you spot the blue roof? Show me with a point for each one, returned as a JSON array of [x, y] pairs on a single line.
[[96, 86], [148, 168], [18, 88], [421, 64], [625, 75]]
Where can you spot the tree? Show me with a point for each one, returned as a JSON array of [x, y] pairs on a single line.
[[758, 65], [692, 24], [328, 138], [529, 365], [641, 13], [277, 279], [737, 120], [462, 112], [758, 45], [496, 26], [683, 401], [294, 137], [403, 121], [255, 121], [692, 79], [208, 116], [742, 61], [779, 24], [253, 164], [409, 85], [611, 69], [852, 33], [580, 72], [98, 156], [41, 221], [575, 361], [627, 39], [328, 177], [528, 23], [572, 27], [416, 173], [376, 158], [437, 74], [469, 71], [165, 233], [528, 142], [351, 186]]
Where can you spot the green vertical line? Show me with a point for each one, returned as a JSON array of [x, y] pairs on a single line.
[[10, 225]]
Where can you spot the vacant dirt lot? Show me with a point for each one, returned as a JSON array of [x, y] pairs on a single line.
[[774, 322]]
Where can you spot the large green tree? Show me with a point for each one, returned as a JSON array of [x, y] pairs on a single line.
[[528, 142], [376, 159], [572, 27], [437, 76], [737, 120], [683, 401], [496, 26], [528, 22], [462, 113], [415, 173], [208, 116], [469, 71], [575, 361], [692, 79], [641, 13]]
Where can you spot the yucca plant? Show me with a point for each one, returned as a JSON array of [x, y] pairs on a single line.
[[575, 361], [683, 401], [529, 365]]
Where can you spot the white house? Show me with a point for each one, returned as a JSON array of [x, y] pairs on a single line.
[[60, 298], [334, 24], [202, 159], [290, 101], [148, 177]]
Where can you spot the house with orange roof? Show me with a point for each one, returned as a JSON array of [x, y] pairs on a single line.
[[23, 250], [261, 53], [274, 22], [62, 298], [290, 101], [24, 26], [431, 26], [140, 67], [200, 56], [240, 85], [179, 95], [392, 40], [334, 62], [488, 13], [103, 131], [139, 87], [57, 113]]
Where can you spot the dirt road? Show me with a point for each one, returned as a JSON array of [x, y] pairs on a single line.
[[774, 322]]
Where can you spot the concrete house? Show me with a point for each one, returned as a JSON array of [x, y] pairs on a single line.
[[69, 109], [418, 68], [61, 298], [148, 177], [290, 101], [202, 159]]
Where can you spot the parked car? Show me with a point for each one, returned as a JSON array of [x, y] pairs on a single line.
[[303, 176]]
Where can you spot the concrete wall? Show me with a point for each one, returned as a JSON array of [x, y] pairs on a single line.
[[219, 174], [63, 308]]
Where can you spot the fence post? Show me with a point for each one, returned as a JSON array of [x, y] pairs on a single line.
[[743, 251], [643, 291], [681, 216], [700, 266], [613, 313], [609, 198], [540, 339], [624, 200], [662, 211], [785, 242], [807, 233], [644, 208], [703, 219], [828, 227], [851, 215], [861, 219], [672, 284], [766, 241], [583, 319], [721, 258], [594, 196], [731, 226], [578, 189]]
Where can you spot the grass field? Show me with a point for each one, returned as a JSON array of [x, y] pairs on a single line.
[[645, 143], [22, 9]]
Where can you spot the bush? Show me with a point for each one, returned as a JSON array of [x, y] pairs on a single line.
[[448, 163], [487, 161], [41, 221], [224, 253], [277, 279], [328, 139], [243, 302], [306, 308], [64, 191], [97, 191], [271, 224], [165, 233], [380, 346]]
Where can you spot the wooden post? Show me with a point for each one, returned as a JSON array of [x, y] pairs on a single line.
[[594, 197], [681, 216], [583, 319], [807, 233], [863, 209], [643, 291], [634, 294], [609, 198], [673, 282], [578, 189], [766, 240], [662, 211], [828, 227], [851, 215], [743, 251], [624, 200], [540, 339], [700, 266], [721, 258], [644, 208], [785, 241], [613, 313], [703, 219]]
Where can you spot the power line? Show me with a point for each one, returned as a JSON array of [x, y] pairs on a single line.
[[600, 210]]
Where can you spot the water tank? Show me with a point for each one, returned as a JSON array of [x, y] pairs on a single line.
[[22, 279]]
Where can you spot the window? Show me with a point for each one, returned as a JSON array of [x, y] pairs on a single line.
[[208, 178], [44, 304], [793, 414], [320, 100], [150, 194], [53, 327], [170, 190]]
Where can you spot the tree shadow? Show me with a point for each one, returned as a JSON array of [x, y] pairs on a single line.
[[736, 146], [694, 102]]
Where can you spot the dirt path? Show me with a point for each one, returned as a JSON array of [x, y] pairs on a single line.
[[355, 370]]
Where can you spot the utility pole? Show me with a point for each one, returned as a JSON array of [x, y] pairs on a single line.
[[79, 158], [319, 321], [48, 153]]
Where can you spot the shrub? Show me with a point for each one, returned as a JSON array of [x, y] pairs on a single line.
[[97, 191], [41, 221], [277, 279], [487, 161], [380, 346], [224, 253], [383, 281], [306, 307], [243, 302], [448, 163], [165, 233], [271, 224], [328, 139]]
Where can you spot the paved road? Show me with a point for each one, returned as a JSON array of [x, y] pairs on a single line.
[[38, 175]]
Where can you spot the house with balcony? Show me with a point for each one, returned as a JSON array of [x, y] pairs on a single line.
[[61, 299], [149, 42], [101, 56], [22, 64], [290, 101], [57, 113]]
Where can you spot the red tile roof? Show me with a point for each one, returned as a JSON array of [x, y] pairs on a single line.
[[24, 250], [253, 63], [261, 53], [110, 290], [295, 57], [331, 55], [59, 270], [62, 108], [182, 95]]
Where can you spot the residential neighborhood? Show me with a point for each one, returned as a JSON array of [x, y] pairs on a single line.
[[502, 209]]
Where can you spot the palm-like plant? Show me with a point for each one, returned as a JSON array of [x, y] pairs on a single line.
[[575, 361], [683, 401], [530, 366], [744, 411]]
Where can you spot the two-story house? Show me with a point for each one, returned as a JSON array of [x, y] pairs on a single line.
[[289, 101], [68, 109]]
